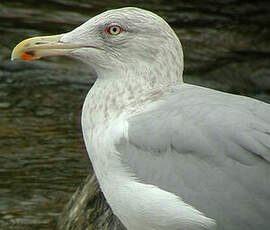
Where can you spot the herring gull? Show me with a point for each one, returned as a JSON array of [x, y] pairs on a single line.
[[167, 155]]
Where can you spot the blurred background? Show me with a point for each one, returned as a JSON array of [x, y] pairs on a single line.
[[42, 157]]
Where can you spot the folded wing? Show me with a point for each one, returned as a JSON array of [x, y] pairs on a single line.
[[210, 148]]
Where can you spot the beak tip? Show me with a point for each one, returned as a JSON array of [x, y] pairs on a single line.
[[16, 52], [12, 58], [37, 47]]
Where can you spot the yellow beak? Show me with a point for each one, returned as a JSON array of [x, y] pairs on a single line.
[[37, 47]]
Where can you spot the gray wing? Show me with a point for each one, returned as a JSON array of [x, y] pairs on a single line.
[[210, 148]]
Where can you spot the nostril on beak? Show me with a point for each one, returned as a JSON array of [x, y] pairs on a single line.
[[40, 43]]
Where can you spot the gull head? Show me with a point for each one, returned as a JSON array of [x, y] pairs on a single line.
[[115, 40]]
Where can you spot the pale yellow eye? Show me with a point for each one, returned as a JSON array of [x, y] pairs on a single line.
[[113, 30]]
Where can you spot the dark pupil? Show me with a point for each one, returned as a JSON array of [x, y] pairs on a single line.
[[114, 29]]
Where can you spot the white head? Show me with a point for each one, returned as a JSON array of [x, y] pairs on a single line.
[[117, 40]]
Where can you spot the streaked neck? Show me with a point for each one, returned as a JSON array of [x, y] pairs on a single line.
[[119, 91]]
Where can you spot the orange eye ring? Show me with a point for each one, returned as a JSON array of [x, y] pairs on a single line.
[[113, 30]]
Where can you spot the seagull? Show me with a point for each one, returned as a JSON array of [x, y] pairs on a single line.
[[167, 155]]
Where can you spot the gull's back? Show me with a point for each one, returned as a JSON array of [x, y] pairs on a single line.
[[212, 149]]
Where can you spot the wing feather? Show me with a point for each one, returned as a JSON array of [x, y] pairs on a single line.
[[210, 148]]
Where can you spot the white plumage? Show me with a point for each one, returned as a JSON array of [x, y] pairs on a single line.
[[168, 155]]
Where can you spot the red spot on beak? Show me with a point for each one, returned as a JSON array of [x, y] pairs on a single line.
[[27, 57]]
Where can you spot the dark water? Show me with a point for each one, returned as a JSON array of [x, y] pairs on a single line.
[[42, 156]]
